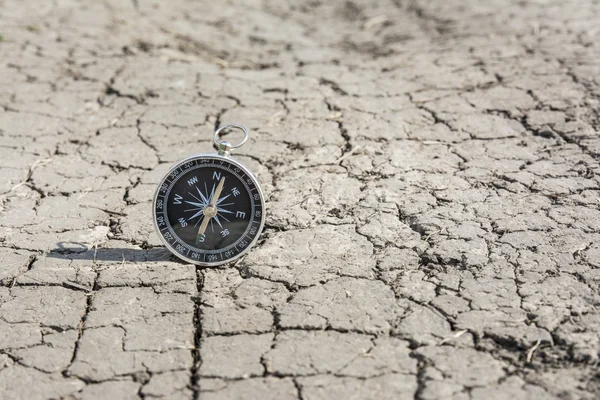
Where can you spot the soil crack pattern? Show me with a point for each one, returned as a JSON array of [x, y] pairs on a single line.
[[431, 174]]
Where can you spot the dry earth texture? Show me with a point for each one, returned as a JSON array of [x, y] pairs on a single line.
[[432, 175]]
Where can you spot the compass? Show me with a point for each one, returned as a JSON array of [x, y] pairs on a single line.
[[209, 208]]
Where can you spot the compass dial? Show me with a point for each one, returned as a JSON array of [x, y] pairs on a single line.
[[209, 210]]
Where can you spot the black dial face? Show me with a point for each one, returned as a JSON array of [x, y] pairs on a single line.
[[209, 210]]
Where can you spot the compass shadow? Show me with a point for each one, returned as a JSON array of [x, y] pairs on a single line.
[[82, 251]]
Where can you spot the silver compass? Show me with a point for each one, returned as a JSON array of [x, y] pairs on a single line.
[[209, 209]]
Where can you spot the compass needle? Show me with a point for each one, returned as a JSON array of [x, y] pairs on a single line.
[[211, 210], [212, 194], [199, 220]]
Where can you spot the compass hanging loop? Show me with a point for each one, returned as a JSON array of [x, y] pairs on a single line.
[[224, 146]]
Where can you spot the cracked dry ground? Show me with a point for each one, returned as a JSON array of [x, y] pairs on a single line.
[[432, 178]]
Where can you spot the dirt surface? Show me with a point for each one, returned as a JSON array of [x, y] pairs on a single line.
[[432, 175]]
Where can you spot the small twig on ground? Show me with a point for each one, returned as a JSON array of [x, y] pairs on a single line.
[[375, 21], [532, 350], [86, 191], [238, 261], [76, 286], [426, 238], [335, 116], [450, 338], [30, 172], [273, 118], [348, 154], [111, 212]]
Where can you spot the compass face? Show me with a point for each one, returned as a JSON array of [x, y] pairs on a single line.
[[208, 210]]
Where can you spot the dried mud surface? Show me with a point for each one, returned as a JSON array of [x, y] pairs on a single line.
[[432, 175]]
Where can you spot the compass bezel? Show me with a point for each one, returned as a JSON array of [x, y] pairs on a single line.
[[218, 157]]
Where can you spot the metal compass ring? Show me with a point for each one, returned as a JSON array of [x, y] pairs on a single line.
[[240, 127]]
